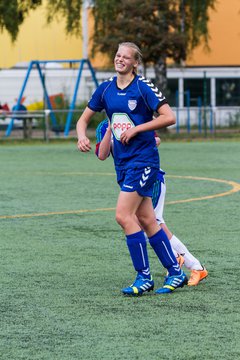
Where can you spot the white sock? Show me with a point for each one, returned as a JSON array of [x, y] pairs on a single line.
[[174, 251], [190, 261]]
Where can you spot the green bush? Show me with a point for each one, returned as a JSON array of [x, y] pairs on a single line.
[[79, 108]]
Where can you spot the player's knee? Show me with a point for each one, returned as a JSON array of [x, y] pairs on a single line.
[[119, 218], [144, 220], [122, 219], [147, 223]]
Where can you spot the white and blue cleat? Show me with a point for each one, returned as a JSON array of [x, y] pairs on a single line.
[[171, 283], [139, 286]]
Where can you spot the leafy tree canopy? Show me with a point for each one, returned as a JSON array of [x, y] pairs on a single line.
[[68, 9], [162, 29], [166, 29], [13, 14]]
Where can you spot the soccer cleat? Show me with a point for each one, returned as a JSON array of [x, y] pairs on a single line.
[[197, 276], [171, 283], [139, 286]]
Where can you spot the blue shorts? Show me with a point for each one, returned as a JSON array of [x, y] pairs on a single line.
[[140, 180]]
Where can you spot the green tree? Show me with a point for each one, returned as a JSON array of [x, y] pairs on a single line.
[[68, 9], [163, 29], [13, 14], [166, 29]]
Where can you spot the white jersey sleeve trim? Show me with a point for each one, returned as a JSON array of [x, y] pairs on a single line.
[[154, 89]]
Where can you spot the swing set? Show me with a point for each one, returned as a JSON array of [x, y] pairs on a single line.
[[36, 64]]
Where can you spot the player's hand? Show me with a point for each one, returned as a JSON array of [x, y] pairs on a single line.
[[84, 144], [127, 135], [158, 140]]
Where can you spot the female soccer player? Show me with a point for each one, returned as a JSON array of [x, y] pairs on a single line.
[[130, 102], [103, 148]]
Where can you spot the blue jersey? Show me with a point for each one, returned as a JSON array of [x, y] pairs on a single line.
[[127, 108]]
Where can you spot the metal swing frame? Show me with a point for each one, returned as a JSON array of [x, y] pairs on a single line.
[[36, 63]]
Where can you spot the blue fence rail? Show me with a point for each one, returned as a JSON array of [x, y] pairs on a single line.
[[185, 118]]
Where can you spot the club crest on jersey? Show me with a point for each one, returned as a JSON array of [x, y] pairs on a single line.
[[132, 104]]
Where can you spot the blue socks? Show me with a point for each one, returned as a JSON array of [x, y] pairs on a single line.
[[138, 250], [163, 250]]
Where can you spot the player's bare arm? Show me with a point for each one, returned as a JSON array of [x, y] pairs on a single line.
[[105, 145], [166, 118], [84, 144]]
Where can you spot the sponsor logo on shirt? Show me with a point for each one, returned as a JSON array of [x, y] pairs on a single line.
[[120, 123]]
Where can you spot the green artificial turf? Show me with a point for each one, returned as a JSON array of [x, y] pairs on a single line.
[[64, 259]]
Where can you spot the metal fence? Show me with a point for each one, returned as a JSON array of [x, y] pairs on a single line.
[[206, 118], [48, 123], [45, 123]]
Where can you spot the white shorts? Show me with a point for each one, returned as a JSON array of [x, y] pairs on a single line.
[[160, 204]]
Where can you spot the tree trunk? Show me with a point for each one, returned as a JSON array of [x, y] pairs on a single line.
[[160, 69]]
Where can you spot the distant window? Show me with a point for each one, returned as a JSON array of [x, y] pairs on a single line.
[[228, 92], [172, 87], [196, 90]]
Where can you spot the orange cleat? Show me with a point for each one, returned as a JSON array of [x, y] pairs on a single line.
[[197, 276]]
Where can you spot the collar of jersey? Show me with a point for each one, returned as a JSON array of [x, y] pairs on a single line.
[[127, 85]]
